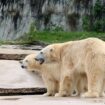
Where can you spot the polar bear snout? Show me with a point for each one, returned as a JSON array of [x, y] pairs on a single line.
[[41, 60], [40, 57], [22, 66]]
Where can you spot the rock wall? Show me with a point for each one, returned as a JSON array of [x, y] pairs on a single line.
[[16, 16]]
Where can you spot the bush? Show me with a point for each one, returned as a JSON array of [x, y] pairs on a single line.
[[96, 20], [86, 23], [97, 25]]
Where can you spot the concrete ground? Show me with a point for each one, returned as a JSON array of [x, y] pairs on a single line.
[[42, 100], [13, 76]]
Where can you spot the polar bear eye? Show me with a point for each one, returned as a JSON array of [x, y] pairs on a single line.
[[51, 50], [41, 52], [26, 60]]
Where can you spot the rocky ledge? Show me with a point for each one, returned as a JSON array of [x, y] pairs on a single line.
[[17, 52]]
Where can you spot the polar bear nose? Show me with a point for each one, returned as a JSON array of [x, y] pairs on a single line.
[[22, 66], [36, 59], [40, 58]]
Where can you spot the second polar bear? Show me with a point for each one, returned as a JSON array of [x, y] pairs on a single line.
[[50, 73]]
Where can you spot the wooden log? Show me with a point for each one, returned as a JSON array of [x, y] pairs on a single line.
[[22, 91]]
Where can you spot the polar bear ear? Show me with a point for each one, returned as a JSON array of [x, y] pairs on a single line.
[[21, 61]]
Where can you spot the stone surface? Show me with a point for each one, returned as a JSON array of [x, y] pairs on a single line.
[[14, 54], [13, 76], [23, 47], [41, 100]]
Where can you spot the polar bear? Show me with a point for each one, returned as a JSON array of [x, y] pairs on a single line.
[[50, 73], [85, 56]]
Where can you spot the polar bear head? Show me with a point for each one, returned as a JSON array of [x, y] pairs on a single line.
[[30, 63], [49, 54]]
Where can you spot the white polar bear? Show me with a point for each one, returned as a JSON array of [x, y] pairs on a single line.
[[85, 56]]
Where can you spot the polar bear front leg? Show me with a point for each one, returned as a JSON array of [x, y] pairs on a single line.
[[65, 87], [51, 85], [95, 83], [51, 88]]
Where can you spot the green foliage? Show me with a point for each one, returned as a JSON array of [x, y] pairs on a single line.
[[32, 28], [98, 25], [61, 36], [86, 23], [54, 28], [98, 10], [96, 20], [57, 29], [53, 37]]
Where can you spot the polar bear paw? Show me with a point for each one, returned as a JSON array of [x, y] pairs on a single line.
[[58, 95], [48, 94], [90, 95], [103, 94], [64, 94]]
